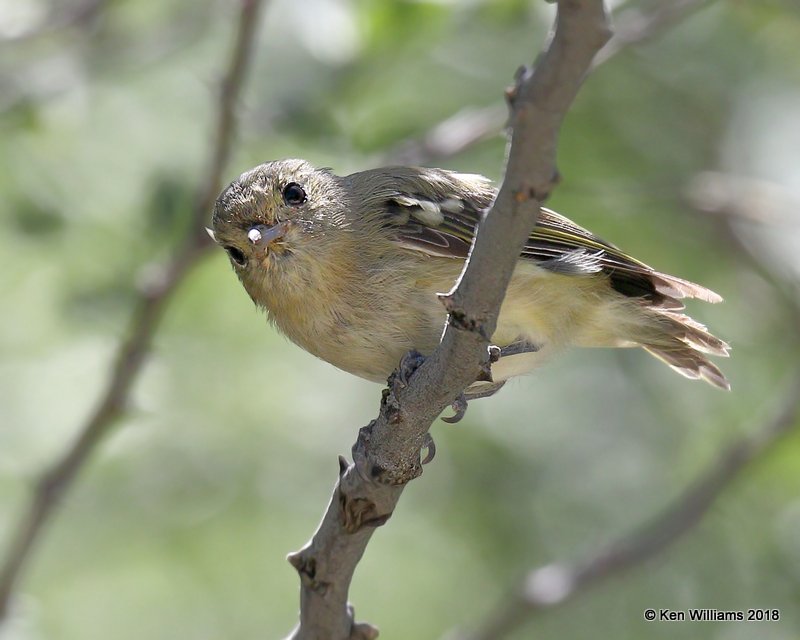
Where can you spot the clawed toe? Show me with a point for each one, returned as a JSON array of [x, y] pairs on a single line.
[[430, 446], [460, 410], [409, 363]]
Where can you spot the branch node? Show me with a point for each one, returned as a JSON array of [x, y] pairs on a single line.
[[364, 631], [528, 193], [458, 317], [360, 630], [361, 445], [520, 77], [356, 509], [306, 566], [461, 320], [358, 512], [343, 465], [366, 469]]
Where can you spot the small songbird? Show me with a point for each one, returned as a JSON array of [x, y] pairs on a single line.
[[349, 268]]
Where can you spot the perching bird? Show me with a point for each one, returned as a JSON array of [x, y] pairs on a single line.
[[349, 268]]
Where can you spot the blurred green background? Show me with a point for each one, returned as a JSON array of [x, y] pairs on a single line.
[[225, 460]]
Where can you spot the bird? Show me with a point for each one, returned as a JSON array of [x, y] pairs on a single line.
[[349, 268]]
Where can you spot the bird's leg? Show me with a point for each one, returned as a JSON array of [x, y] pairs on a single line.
[[520, 346], [484, 391], [461, 403]]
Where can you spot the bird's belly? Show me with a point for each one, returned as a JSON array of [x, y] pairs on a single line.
[[364, 357], [546, 310], [552, 312], [368, 334], [369, 342]]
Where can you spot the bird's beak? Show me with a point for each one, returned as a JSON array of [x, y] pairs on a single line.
[[262, 236], [211, 235]]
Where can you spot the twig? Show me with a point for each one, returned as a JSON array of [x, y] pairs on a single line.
[[468, 127], [556, 584], [450, 137], [635, 27], [152, 302], [387, 453]]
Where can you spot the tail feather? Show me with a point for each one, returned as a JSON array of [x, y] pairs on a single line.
[[690, 363], [682, 343], [679, 288], [695, 334]]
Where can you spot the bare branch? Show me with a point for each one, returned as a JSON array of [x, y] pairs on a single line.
[[558, 583], [152, 302], [387, 453], [450, 137], [471, 126], [726, 200]]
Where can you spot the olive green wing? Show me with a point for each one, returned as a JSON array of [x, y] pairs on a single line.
[[558, 243], [436, 212]]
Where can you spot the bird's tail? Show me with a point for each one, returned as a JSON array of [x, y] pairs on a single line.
[[683, 344]]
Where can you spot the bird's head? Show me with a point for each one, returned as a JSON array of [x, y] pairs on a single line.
[[278, 223]]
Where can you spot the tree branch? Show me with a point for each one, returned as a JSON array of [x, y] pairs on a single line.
[[387, 452], [150, 307], [558, 583]]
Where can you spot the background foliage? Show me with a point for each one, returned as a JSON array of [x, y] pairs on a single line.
[[180, 526]]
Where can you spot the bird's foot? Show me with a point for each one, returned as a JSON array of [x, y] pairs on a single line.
[[483, 391], [409, 363], [461, 403]]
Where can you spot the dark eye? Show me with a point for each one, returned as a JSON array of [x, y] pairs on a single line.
[[293, 194], [236, 255]]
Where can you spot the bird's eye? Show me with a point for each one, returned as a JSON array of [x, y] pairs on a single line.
[[237, 256], [294, 195]]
